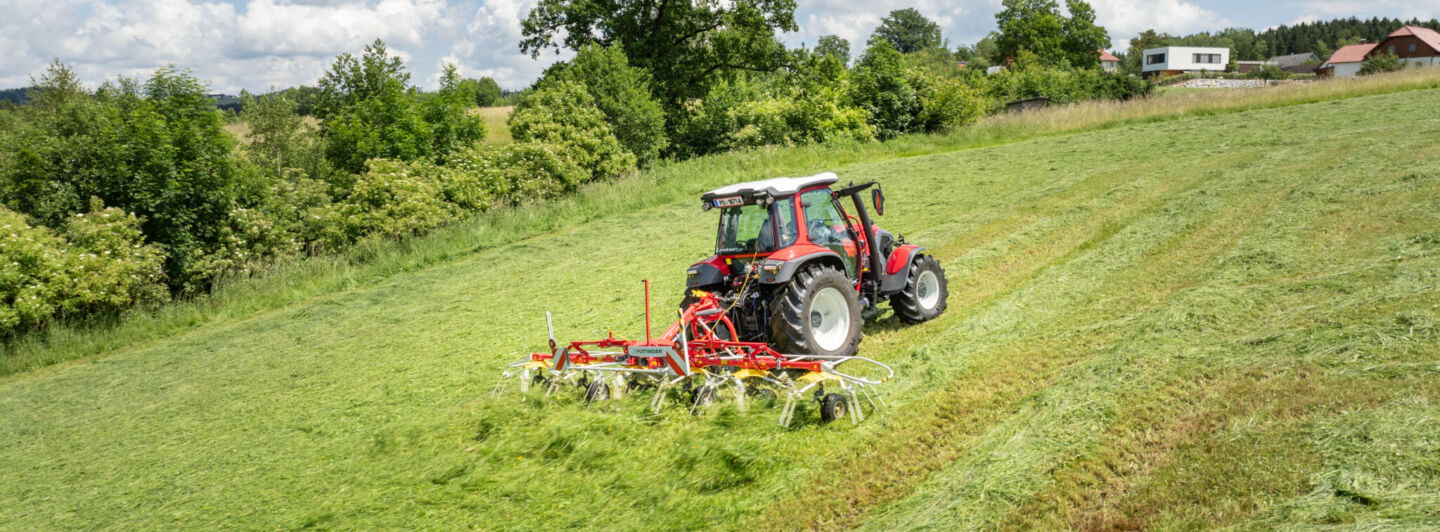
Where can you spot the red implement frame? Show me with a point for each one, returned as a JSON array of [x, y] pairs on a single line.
[[702, 350]]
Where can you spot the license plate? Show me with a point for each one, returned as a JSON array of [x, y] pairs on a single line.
[[729, 202]]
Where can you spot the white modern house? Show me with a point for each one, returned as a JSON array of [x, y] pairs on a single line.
[[1176, 60]]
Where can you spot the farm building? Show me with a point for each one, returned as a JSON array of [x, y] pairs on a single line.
[[1246, 66], [1109, 62], [1176, 60], [1345, 62], [1416, 45], [1296, 63]]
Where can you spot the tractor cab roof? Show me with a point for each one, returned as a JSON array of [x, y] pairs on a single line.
[[778, 187]]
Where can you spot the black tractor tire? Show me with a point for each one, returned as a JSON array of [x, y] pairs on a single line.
[[917, 302], [833, 407], [794, 317]]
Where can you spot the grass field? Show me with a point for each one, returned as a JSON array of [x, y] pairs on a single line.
[[496, 130], [1225, 320]]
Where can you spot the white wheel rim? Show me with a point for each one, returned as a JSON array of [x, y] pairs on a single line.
[[927, 289], [829, 319]]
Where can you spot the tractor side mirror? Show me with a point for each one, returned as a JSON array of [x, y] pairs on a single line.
[[877, 197]]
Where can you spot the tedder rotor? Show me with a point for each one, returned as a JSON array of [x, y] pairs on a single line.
[[776, 311]]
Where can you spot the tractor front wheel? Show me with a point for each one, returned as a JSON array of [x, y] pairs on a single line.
[[817, 313], [925, 292]]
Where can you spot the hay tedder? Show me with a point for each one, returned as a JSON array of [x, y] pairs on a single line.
[[774, 315]]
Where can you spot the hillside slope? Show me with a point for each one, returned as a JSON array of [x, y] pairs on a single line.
[[1210, 321]]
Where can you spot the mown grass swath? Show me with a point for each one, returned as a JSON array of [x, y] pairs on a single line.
[[1241, 332]]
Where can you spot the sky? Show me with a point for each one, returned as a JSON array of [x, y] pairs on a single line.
[[259, 44]]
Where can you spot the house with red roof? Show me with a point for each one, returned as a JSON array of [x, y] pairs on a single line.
[[1345, 62], [1108, 61], [1416, 45]]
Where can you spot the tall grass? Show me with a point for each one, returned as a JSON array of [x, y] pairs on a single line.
[[668, 181]]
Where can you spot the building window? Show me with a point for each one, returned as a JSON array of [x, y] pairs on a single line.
[[1392, 49], [1412, 46], [1154, 59], [1207, 59]]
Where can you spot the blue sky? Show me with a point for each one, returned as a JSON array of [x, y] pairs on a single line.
[[256, 44]]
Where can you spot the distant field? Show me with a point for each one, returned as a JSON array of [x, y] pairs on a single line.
[[496, 131], [1227, 320]]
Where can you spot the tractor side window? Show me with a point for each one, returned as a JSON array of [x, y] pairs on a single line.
[[785, 213], [751, 229], [825, 226], [823, 221]]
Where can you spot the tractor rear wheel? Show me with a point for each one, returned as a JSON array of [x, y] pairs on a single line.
[[817, 313], [925, 292]]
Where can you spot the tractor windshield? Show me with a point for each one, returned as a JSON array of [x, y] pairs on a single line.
[[752, 228]]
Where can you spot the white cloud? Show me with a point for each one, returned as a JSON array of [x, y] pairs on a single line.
[[962, 22], [1127, 18], [1405, 9], [263, 43], [490, 45]]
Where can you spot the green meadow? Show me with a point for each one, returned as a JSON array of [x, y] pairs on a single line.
[[1223, 313]]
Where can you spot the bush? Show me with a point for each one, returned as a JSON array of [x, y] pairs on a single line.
[[156, 150], [1268, 71], [563, 114], [1381, 63], [622, 93], [484, 176], [98, 264], [949, 102], [879, 85], [395, 198]]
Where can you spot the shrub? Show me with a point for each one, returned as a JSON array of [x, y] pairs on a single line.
[[563, 114], [98, 263], [949, 102], [156, 150], [879, 86], [33, 273], [483, 176], [395, 198], [113, 268], [622, 93], [1381, 63], [1268, 71]]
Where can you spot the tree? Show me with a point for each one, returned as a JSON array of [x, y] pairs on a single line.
[[1037, 26], [1381, 63], [1033, 25], [909, 31], [1083, 38], [370, 111], [1133, 63], [686, 46], [483, 92], [622, 93], [879, 86], [834, 46]]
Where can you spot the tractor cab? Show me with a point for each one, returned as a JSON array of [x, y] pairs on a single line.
[[769, 224], [783, 236]]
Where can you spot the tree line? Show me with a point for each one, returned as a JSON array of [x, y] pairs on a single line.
[[136, 192]]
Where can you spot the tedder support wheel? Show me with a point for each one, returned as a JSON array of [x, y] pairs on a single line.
[[817, 313], [833, 407], [925, 292], [597, 391]]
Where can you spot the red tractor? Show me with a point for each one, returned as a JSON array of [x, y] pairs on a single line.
[[794, 268]]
